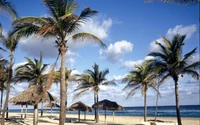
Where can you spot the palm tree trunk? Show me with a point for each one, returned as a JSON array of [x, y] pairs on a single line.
[[1, 100], [66, 91], [62, 116], [35, 120], [7, 89], [145, 106], [177, 104], [95, 111], [97, 118], [156, 113]]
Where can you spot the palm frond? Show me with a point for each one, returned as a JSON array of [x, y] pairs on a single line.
[[83, 36], [8, 7]]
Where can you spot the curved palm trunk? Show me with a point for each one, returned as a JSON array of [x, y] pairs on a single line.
[[177, 103], [62, 116], [7, 89], [145, 106], [1, 100]]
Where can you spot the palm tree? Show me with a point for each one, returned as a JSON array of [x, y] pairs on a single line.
[[91, 80], [33, 72], [173, 64], [68, 78], [61, 25], [10, 42], [6, 6], [141, 78], [3, 78]]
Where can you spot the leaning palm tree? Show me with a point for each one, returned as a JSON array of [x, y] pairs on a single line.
[[63, 25], [10, 42], [173, 64], [33, 72], [141, 78], [68, 78], [91, 80]]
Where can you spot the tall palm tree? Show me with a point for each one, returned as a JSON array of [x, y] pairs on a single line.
[[91, 80], [10, 42], [33, 72], [141, 78], [61, 25], [6, 6], [3, 78], [173, 64], [68, 78]]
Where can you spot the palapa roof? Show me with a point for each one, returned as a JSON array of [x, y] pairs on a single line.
[[79, 106], [49, 105], [31, 94], [108, 105]]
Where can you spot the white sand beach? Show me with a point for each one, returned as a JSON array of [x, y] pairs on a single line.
[[70, 120]]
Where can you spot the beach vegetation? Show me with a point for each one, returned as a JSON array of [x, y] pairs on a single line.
[[173, 64], [91, 80], [62, 24]]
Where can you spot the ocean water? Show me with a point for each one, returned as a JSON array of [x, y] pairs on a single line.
[[191, 111]]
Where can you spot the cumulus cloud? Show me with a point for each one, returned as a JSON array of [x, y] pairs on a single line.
[[179, 29], [33, 46], [95, 26], [130, 64], [71, 57], [117, 50], [182, 30]]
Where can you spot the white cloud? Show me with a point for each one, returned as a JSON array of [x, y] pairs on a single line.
[[179, 29], [71, 57], [98, 28], [33, 46], [130, 64], [182, 30], [95, 26], [117, 50]]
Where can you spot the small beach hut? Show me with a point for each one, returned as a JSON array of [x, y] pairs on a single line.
[[31, 95], [51, 105], [108, 105], [80, 107]]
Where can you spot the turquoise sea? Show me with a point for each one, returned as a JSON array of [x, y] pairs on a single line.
[[191, 111]]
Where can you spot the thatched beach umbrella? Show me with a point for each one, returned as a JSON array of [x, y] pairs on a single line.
[[51, 105], [31, 95], [80, 107], [108, 105]]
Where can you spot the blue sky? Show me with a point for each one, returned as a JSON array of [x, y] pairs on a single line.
[[129, 29]]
